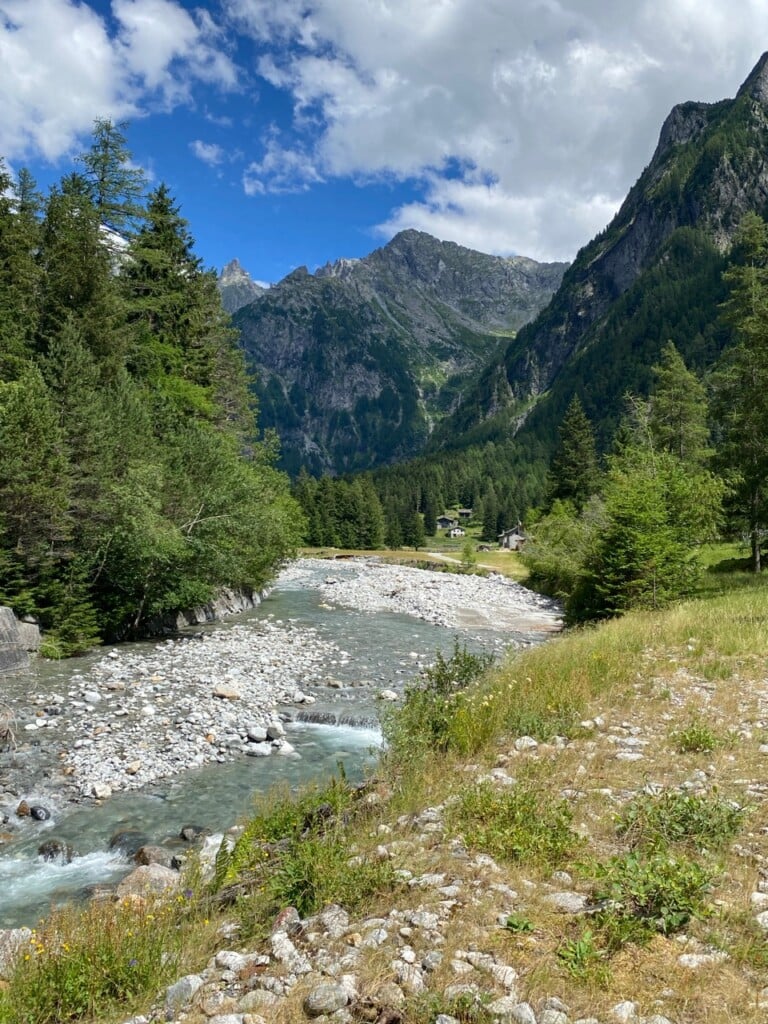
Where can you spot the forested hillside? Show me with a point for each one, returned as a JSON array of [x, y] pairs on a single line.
[[656, 274], [132, 482]]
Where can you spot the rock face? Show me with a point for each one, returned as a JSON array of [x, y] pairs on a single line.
[[237, 288], [13, 655], [710, 167], [357, 362]]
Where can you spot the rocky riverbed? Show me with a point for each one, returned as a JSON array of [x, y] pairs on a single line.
[[450, 599], [140, 715]]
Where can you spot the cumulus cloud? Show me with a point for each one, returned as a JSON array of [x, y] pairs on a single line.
[[209, 152], [549, 109], [63, 65], [280, 170]]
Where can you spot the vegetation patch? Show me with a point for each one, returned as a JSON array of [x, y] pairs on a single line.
[[703, 822], [644, 896], [516, 823]]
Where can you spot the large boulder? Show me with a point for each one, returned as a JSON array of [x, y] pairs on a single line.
[[13, 656]]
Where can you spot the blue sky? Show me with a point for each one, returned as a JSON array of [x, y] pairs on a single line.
[[299, 131]]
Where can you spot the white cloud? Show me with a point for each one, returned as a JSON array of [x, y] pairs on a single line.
[[557, 102], [63, 65], [208, 152], [280, 170]]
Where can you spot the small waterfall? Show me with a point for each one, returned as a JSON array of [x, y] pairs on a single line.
[[337, 718]]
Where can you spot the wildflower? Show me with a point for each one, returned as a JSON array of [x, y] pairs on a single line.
[[132, 962]]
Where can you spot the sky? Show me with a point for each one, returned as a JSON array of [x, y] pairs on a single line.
[[294, 132]]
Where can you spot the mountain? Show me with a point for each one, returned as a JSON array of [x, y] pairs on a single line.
[[358, 362], [653, 274], [237, 288]]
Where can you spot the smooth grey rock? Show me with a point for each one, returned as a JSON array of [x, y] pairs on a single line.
[[13, 656], [178, 995], [567, 902], [553, 1017], [150, 878], [325, 999], [624, 1011]]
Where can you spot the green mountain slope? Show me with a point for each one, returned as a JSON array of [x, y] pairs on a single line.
[[651, 275]]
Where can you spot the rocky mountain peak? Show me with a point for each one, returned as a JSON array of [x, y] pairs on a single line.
[[236, 287], [756, 83]]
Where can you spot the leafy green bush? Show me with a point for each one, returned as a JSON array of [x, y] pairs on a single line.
[[697, 738], [281, 818], [320, 870], [516, 823], [424, 721], [674, 817], [641, 897], [518, 924], [583, 959]]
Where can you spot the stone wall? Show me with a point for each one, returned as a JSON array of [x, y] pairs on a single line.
[[13, 656]]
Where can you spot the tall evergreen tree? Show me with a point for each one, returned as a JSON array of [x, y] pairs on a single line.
[[573, 474], [678, 409], [742, 383], [116, 188]]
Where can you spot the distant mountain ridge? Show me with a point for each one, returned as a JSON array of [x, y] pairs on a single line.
[[357, 363]]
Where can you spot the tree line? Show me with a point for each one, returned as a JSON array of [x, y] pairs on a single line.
[[133, 481], [686, 464]]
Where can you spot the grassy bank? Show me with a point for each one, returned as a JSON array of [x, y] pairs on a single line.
[[624, 764]]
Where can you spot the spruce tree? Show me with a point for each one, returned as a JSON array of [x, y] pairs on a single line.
[[573, 474], [742, 383], [678, 409]]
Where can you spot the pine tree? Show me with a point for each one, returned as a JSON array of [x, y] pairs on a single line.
[[78, 284], [19, 271], [573, 474]]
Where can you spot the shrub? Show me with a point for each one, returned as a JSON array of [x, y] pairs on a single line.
[[583, 959], [674, 817], [517, 823], [641, 897], [424, 722], [697, 738]]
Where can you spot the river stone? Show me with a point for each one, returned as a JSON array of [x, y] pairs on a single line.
[[101, 791], [55, 849], [285, 951], [226, 691], [180, 993], [129, 841], [154, 855], [258, 750], [256, 733], [259, 999], [325, 999], [275, 731], [567, 902], [149, 878], [550, 1016]]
